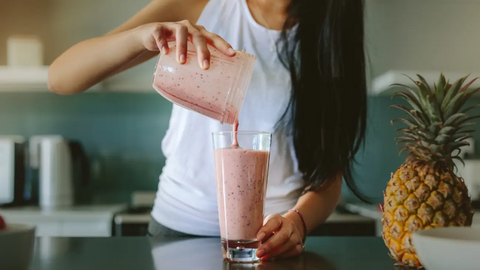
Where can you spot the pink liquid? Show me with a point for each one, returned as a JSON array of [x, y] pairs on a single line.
[[212, 106], [235, 134], [241, 182], [212, 92]]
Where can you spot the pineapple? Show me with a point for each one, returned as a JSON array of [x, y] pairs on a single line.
[[425, 192]]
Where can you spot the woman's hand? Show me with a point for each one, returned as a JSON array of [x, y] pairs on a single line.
[[285, 238], [155, 37]]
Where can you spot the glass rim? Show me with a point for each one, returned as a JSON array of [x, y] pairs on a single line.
[[242, 132]]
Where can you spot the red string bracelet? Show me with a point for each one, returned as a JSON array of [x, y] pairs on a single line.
[[304, 225]]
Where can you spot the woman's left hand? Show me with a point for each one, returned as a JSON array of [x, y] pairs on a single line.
[[284, 238]]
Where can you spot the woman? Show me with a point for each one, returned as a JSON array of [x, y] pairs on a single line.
[[308, 88]]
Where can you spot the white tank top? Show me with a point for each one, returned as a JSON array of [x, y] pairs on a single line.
[[186, 200]]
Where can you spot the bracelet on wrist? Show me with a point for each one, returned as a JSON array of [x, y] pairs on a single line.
[[304, 225]]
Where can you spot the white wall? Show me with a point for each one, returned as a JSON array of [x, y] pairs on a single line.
[[430, 34]]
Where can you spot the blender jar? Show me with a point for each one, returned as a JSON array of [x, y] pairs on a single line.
[[217, 93]]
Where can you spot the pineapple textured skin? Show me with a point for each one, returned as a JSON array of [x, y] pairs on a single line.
[[425, 192], [418, 197]]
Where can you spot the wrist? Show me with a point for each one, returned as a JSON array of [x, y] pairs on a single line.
[[135, 37], [297, 220]]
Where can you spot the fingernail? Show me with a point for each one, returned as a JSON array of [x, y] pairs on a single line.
[[260, 252], [206, 64], [261, 236], [182, 58], [231, 51]]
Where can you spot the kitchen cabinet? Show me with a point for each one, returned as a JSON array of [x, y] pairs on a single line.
[[46, 228], [134, 220], [381, 85], [29, 79], [345, 223], [35, 80], [76, 221], [135, 223], [373, 212], [352, 226], [390, 28], [99, 228]]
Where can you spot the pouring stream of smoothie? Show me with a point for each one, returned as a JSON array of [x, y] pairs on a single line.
[[235, 137]]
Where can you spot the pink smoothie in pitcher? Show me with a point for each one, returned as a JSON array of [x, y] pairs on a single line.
[[217, 93], [241, 178]]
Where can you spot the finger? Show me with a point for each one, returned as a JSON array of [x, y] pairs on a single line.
[[156, 36], [203, 54], [197, 38], [273, 222], [181, 36], [160, 36], [217, 41], [295, 251], [279, 239], [290, 244], [278, 250]]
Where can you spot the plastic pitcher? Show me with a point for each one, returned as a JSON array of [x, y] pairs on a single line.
[[218, 92]]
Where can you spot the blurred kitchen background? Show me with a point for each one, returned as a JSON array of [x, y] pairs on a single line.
[[121, 122]]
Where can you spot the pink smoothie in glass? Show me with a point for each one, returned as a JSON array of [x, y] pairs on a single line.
[[241, 183]]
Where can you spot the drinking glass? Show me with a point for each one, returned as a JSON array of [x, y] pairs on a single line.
[[241, 178]]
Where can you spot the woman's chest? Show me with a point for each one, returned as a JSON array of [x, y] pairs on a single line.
[[270, 85], [266, 99]]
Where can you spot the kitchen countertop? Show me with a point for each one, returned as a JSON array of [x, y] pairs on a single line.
[[71, 213], [333, 218], [144, 253], [372, 211]]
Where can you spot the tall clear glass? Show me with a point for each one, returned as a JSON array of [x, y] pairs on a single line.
[[241, 176]]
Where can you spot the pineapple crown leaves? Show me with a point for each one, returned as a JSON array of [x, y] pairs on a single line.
[[436, 127]]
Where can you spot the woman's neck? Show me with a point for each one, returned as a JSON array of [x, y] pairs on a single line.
[[270, 14], [273, 4]]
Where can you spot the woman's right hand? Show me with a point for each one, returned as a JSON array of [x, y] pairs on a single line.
[[155, 37]]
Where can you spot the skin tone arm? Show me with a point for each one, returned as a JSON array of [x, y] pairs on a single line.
[[315, 207], [137, 40]]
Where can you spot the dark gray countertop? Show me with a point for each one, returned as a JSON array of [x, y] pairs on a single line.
[[142, 253]]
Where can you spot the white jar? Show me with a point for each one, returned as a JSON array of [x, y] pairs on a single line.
[[24, 51]]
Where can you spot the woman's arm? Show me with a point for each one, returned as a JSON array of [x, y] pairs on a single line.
[[91, 61], [315, 207]]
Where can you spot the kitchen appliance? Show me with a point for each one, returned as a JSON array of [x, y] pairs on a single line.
[[24, 50], [60, 167], [13, 189], [135, 219]]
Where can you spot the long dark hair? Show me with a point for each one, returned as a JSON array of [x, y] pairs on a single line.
[[327, 110]]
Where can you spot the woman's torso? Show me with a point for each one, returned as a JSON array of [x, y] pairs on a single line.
[[186, 198]]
